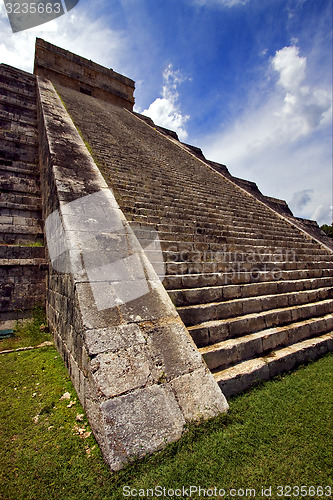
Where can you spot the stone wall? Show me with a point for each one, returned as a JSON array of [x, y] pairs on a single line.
[[22, 263], [68, 69], [22, 280], [135, 368]]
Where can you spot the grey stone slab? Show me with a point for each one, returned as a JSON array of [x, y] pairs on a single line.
[[113, 338], [139, 423], [200, 336], [198, 395], [219, 331], [152, 306], [115, 373], [172, 351], [90, 316]]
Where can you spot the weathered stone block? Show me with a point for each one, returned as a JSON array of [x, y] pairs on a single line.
[[219, 331], [200, 336], [281, 361], [171, 350], [117, 373], [195, 391], [90, 317], [250, 346], [113, 338], [139, 423]]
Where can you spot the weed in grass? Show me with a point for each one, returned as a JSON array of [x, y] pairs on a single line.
[[35, 243]]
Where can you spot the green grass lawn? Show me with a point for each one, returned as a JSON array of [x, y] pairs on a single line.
[[31, 332], [279, 433]]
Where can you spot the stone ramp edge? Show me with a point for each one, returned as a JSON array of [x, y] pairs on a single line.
[[136, 370]]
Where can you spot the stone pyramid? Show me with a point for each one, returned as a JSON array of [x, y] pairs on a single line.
[[170, 284]]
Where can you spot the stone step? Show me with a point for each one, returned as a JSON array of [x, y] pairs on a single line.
[[18, 94], [126, 184], [204, 295], [24, 169], [24, 154], [19, 212], [226, 240], [211, 332], [241, 377], [15, 174], [144, 203], [279, 237], [207, 201], [172, 268], [17, 75], [168, 206], [17, 113], [21, 134], [18, 152], [199, 313], [14, 252], [214, 231], [14, 227], [200, 280], [21, 88], [220, 216], [253, 255], [231, 352], [21, 129], [17, 117], [7, 263], [226, 215], [169, 202], [19, 183], [19, 201], [15, 100], [18, 222], [245, 238], [261, 253], [178, 247], [20, 225], [22, 238]]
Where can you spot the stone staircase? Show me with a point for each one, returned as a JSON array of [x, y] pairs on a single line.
[[22, 253], [253, 289]]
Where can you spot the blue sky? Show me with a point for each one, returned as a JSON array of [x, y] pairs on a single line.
[[248, 81]]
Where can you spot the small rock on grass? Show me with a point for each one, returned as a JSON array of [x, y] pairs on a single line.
[[66, 395]]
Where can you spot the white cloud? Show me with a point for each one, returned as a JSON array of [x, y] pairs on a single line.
[[291, 67], [323, 214], [76, 31], [165, 111], [304, 108], [301, 199], [284, 144], [222, 3]]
